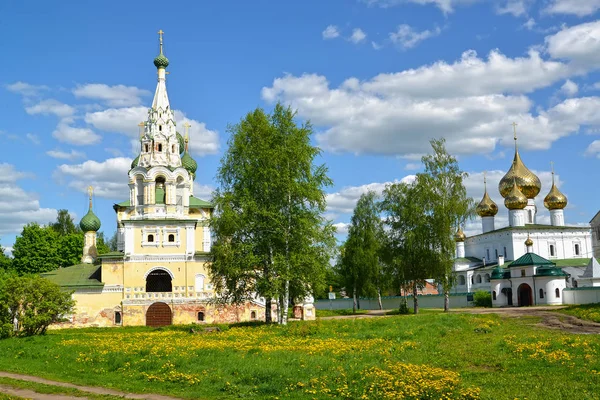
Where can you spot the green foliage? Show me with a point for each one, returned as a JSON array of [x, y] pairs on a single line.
[[64, 224], [270, 236], [5, 261], [481, 298], [34, 302], [590, 312], [102, 246], [36, 250]]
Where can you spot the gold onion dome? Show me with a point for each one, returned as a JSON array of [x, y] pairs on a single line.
[[459, 236], [528, 183], [515, 200], [486, 207], [528, 242], [555, 200]]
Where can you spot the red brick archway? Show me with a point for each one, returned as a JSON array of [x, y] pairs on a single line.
[[158, 314]]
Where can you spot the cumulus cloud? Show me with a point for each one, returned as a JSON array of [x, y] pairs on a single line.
[[569, 88], [407, 38], [331, 32], [203, 141], [593, 149], [357, 36], [113, 96], [447, 6], [579, 8], [67, 133], [514, 7], [26, 89], [579, 43], [72, 155], [51, 106], [529, 24], [9, 174], [109, 178]]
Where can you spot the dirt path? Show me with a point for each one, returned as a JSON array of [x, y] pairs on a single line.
[[29, 394]]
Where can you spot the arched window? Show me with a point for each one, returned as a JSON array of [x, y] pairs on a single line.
[[496, 250], [160, 147], [200, 316], [146, 148], [117, 317], [504, 251], [494, 295], [551, 250], [150, 238], [576, 249], [158, 280], [461, 280], [253, 315], [171, 238], [160, 128], [541, 293], [557, 293], [172, 148], [487, 277], [472, 279], [478, 278]]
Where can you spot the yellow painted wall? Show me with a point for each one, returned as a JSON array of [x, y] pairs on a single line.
[[112, 272]]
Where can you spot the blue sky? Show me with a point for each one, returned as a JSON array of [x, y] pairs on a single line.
[[377, 78]]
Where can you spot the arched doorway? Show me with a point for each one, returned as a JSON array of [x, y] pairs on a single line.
[[158, 314], [159, 280], [525, 295]]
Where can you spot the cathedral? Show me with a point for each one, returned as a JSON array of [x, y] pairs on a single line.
[[159, 274], [525, 263]]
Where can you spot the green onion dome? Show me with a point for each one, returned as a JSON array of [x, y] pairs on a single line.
[[189, 164], [135, 161], [498, 273], [161, 61], [181, 143], [89, 222]]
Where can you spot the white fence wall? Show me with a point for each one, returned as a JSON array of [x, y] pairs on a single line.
[[425, 301], [585, 295]]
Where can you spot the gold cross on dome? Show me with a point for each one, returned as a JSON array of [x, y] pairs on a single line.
[[160, 35], [186, 125], [90, 191], [514, 125]]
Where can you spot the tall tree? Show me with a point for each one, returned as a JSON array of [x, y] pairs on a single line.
[[450, 207], [36, 250], [64, 224], [5, 261], [271, 238], [360, 263]]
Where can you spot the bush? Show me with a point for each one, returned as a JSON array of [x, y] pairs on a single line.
[[34, 302], [482, 299]]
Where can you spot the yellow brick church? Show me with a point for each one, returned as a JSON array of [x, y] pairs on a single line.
[[159, 274]]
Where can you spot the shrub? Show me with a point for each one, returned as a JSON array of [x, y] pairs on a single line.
[[482, 299], [34, 302]]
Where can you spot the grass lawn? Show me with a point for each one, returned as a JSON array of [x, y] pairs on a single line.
[[333, 313], [432, 355], [590, 312], [51, 389]]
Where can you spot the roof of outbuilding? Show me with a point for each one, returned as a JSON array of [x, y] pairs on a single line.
[[76, 276], [530, 259]]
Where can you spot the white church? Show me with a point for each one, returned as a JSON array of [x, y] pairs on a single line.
[[525, 263]]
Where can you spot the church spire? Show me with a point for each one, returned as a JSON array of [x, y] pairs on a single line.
[[161, 100]]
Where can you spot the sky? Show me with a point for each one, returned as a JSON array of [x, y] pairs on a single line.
[[378, 79]]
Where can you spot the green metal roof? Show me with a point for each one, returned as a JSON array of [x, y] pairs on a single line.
[[549, 271], [76, 276], [530, 259], [112, 254], [572, 262], [126, 203]]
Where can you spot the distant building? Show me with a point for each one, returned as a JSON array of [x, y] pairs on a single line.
[[595, 224]]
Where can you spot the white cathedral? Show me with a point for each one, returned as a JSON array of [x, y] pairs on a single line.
[[525, 263]]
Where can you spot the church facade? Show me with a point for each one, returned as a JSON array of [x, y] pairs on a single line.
[[159, 274], [525, 263]]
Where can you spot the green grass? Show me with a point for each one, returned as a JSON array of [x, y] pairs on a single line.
[[590, 312], [7, 397], [334, 313], [51, 389], [506, 358]]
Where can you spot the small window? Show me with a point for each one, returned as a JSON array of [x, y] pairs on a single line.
[[557, 293], [504, 251], [494, 295], [253, 315], [522, 272], [117, 317], [478, 278], [150, 238], [461, 280], [541, 293], [160, 128], [171, 238], [551, 250], [577, 250], [146, 148], [200, 316], [487, 251], [160, 147], [172, 148], [496, 250], [487, 277], [472, 279]]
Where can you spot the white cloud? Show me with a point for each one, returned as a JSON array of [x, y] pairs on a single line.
[[514, 7], [569, 88], [579, 8], [51, 106], [579, 43], [114, 96], [376, 46], [406, 37], [331, 32], [8, 173], [26, 89], [593, 150], [64, 132], [447, 6], [109, 178], [412, 166], [33, 138], [529, 24], [72, 155], [203, 141], [342, 228], [357, 36]]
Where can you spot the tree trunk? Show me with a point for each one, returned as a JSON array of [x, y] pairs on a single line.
[[354, 303], [446, 299], [415, 298], [286, 302], [379, 299], [268, 316]]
